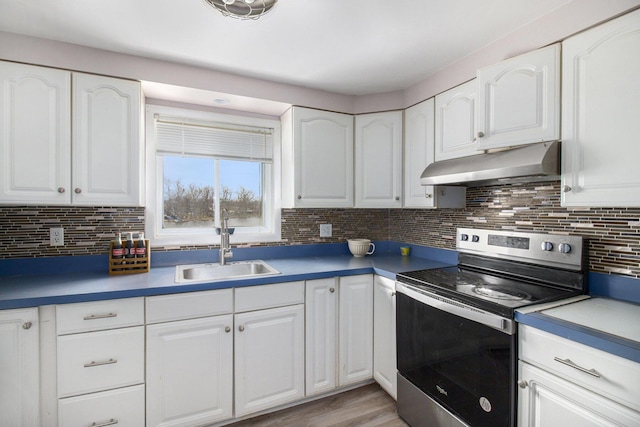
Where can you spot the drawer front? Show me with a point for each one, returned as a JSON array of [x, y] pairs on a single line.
[[99, 315], [98, 361], [268, 296], [123, 407], [165, 308], [603, 373]]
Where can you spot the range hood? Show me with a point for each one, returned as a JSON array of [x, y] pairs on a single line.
[[529, 163]]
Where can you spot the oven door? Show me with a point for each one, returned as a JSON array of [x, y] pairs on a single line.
[[461, 357]]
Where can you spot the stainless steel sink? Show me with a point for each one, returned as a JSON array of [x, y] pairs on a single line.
[[191, 273]]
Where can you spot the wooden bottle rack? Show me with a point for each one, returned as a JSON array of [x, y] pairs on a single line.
[[129, 265]]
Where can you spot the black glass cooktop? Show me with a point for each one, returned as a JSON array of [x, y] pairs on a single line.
[[492, 292]]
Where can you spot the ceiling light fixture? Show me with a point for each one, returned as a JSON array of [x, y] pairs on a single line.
[[243, 9]]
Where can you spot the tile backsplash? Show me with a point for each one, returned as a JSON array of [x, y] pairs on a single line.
[[613, 233]]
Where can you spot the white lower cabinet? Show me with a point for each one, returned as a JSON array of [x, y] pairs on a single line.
[[355, 329], [19, 368], [123, 407], [338, 310], [548, 400], [100, 373], [268, 346], [189, 361], [384, 334], [269, 358], [565, 383], [189, 372]]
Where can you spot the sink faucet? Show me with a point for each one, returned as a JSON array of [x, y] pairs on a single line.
[[225, 247]]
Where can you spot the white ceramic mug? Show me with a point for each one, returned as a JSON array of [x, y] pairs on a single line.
[[361, 247]]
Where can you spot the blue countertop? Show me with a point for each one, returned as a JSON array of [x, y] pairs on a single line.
[[20, 291]]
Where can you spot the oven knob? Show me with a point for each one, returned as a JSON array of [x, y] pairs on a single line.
[[464, 237], [475, 238], [547, 246], [564, 248]]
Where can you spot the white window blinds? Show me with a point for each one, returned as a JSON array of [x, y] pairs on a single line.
[[177, 135]]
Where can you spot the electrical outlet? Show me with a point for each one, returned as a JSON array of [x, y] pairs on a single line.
[[56, 236], [325, 230]]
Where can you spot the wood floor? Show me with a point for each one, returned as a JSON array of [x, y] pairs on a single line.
[[365, 406]]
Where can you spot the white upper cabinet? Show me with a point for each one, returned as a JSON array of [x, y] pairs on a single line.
[[107, 148], [600, 115], [456, 122], [46, 160], [419, 134], [378, 159], [36, 134], [317, 159], [519, 100]]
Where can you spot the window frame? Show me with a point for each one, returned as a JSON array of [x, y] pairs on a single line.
[[154, 185]]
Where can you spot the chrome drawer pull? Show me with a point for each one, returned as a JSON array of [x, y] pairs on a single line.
[[100, 316], [100, 363], [568, 362], [111, 422]]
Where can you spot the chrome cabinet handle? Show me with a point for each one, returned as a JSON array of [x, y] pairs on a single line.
[[227, 329], [77, 191], [332, 290], [61, 190], [241, 328], [566, 189], [522, 384], [100, 316], [397, 197], [480, 134], [27, 325], [569, 363], [100, 363], [111, 422], [428, 195], [299, 197]]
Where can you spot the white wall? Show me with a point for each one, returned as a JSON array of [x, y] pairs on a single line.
[[569, 19]]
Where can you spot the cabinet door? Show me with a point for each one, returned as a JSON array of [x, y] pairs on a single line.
[[456, 122], [322, 159], [189, 372], [519, 100], [122, 407], [269, 358], [107, 142], [355, 329], [546, 400], [600, 111], [384, 334], [35, 140], [19, 368], [378, 151], [321, 335], [419, 141]]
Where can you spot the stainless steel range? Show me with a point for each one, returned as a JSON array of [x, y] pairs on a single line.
[[456, 337]]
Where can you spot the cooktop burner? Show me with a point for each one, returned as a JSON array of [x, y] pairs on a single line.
[[501, 293]]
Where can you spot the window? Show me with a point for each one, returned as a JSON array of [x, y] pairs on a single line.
[[201, 165]]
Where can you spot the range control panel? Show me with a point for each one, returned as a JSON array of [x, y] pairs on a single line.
[[554, 250]]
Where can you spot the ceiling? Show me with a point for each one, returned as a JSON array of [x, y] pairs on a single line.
[[352, 47]]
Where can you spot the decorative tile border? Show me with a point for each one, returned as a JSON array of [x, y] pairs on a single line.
[[613, 233]]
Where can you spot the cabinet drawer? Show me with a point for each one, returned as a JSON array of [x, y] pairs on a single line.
[[267, 296], [609, 375], [120, 408], [164, 308], [99, 315], [98, 361]]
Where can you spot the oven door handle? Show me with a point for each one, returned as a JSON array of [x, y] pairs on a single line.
[[448, 305]]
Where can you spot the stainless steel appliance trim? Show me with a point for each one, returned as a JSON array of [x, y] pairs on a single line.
[[419, 410], [448, 305]]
